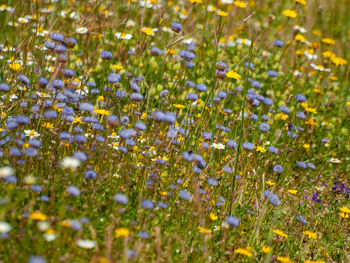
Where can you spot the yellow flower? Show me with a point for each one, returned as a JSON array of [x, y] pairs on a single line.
[[311, 261], [328, 41], [179, 106], [26, 145], [266, 249], [345, 209], [303, 2], [122, 232], [290, 13], [66, 223], [222, 13], [47, 125], [310, 122], [284, 259], [344, 215], [233, 75], [213, 216], [204, 230], [291, 191], [15, 66], [243, 251], [306, 146], [310, 234], [270, 183], [148, 31], [338, 61], [312, 110], [328, 54], [284, 116], [101, 111], [240, 4], [171, 51], [117, 67], [300, 37], [260, 149], [77, 120], [38, 216], [196, 1], [100, 98], [318, 91], [280, 233]]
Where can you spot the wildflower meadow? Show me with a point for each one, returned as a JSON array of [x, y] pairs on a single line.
[[174, 131]]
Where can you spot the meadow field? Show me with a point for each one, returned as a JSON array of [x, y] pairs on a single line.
[[174, 131]]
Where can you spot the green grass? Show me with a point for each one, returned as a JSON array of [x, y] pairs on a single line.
[[39, 217]]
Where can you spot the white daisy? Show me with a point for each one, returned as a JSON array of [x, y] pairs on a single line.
[[82, 30], [86, 243]]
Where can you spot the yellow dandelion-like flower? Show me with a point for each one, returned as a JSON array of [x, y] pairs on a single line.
[[345, 209], [196, 1], [280, 233], [36, 215], [204, 230], [270, 183], [117, 67], [122, 232], [47, 125], [316, 261], [148, 31], [338, 61], [260, 149], [244, 251], [343, 215], [290, 13], [102, 111], [179, 106], [284, 116], [328, 54], [310, 234], [222, 13], [15, 66], [291, 191], [306, 146], [240, 4], [233, 75], [303, 2], [213, 216], [310, 122], [266, 249], [78, 120], [300, 37], [284, 259], [328, 41]]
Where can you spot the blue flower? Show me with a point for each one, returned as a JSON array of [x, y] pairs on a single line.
[[264, 127], [176, 27], [278, 43], [121, 199], [233, 221], [113, 78], [184, 194], [278, 168], [248, 146], [57, 37], [90, 174], [106, 55], [147, 204], [73, 190], [4, 87]]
